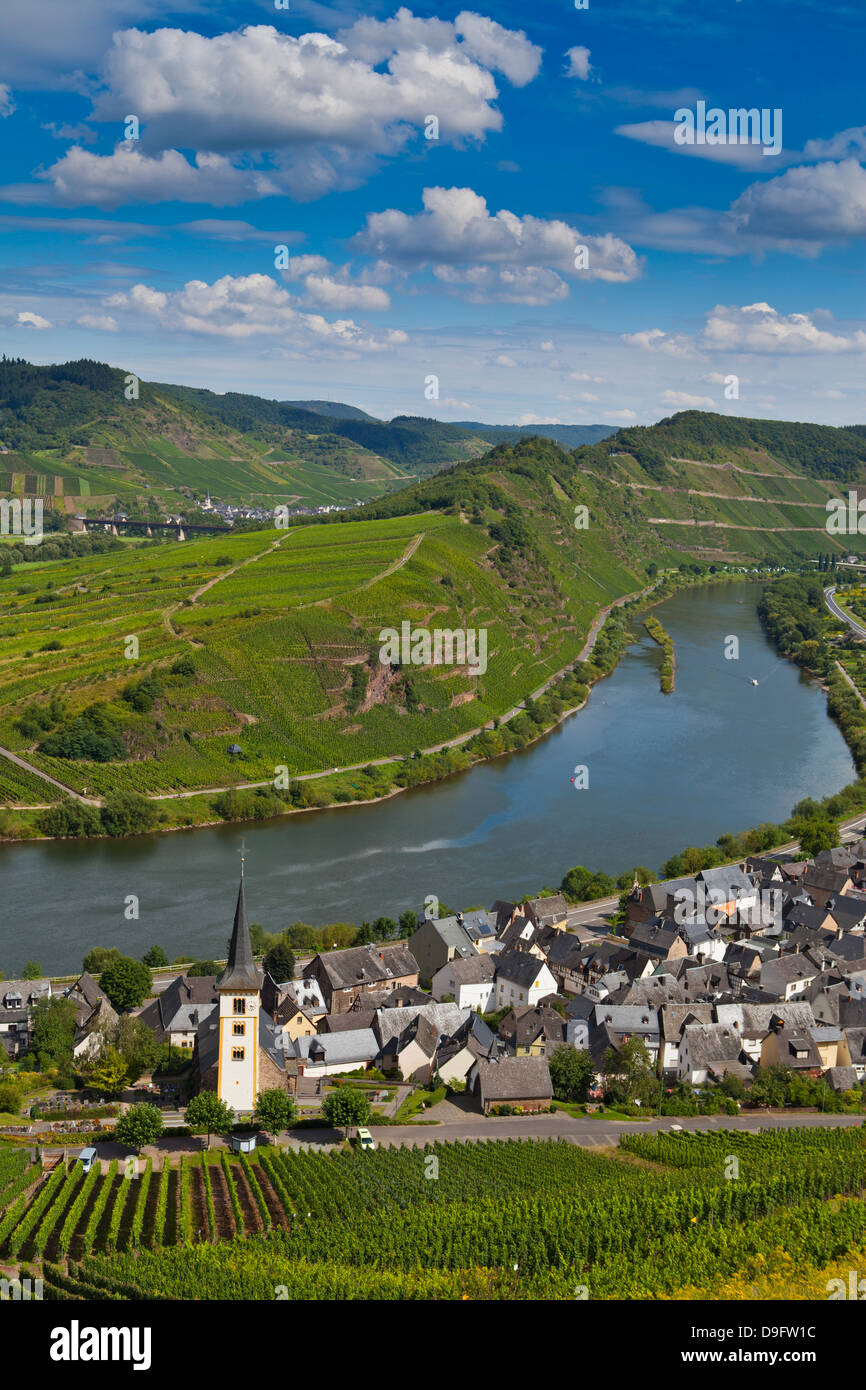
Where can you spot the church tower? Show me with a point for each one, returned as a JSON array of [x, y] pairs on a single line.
[[239, 989]]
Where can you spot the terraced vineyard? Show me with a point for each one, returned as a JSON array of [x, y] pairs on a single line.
[[668, 1215]]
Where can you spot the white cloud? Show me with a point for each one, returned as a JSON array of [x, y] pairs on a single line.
[[578, 63], [681, 400], [505, 284], [329, 293], [547, 345], [246, 306], [656, 340], [7, 101], [621, 414], [661, 134], [299, 266], [528, 418], [588, 397], [227, 229], [26, 316], [103, 323], [318, 111], [456, 228], [761, 328], [825, 202], [128, 175], [503, 360], [846, 144]]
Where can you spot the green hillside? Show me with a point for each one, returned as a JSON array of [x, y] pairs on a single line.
[[71, 436], [269, 640]]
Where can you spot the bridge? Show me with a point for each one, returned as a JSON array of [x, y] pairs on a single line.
[[115, 526]]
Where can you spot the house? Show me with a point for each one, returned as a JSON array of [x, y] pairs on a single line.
[[616, 1024], [788, 977], [396, 1028], [94, 1015], [345, 976], [174, 1015], [751, 1022], [416, 1049], [17, 998], [520, 1082], [326, 1054], [823, 883], [673, 1018], [703, 1045], [855, 1048], [521, 978], [532, 1032], [731, 893], [473, 1041], [437, 941], [548, 912], [469, 981], [659, 938], [789, 1047]]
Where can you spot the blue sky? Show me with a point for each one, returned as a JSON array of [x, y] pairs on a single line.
[[408, 256]]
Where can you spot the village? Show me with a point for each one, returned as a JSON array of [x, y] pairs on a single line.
[[523, 1009]]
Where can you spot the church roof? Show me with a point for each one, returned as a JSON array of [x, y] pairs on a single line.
[[241, 971]]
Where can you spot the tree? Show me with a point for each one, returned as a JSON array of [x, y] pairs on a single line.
[[628, 1072], [408, 924], [203, 967], [109, 1072], [142, 1124], [572, 1073], [206, 1111], [274, 1111], [137, 1045], [98, 957], [53, 1032], [345, 1107], [770, 1086], [127, 813], [32, 971], [280, 962], [818, 834], [10, 1097], [155, 958], [126, 982]]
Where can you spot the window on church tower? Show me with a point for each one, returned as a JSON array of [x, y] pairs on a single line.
[[237, 1054], [240, 1006], [238, 1029]]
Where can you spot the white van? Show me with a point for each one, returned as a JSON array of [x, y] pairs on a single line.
[[87, 1158]]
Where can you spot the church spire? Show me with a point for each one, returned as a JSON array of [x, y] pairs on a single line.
[[241, 971]]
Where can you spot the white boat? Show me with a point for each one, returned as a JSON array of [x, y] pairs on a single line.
[[754, 682]]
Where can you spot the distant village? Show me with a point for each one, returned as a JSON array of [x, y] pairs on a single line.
[[719, 976]]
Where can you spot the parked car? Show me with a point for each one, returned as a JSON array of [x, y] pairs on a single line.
[[365, 1139]]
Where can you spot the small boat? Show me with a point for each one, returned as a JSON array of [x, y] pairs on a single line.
[[754, 682]]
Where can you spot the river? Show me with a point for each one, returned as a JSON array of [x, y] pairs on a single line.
[[664, 771]]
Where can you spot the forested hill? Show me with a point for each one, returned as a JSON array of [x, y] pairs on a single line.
[[821, 451]]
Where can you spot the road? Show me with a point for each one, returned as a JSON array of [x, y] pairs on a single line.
[[460, 1122], [840, 613]]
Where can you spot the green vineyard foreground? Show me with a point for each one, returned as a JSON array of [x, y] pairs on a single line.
[[539, 1219]]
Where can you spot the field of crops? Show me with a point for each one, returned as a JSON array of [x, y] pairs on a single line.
[[513, 1219]]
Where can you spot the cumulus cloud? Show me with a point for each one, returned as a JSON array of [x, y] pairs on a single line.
[[316, 112], [761, 328], [456, 229], [129, 175], [328, 292], [657, 340], [823, 202], [529, 419], [246, 306], [7, 101], [26, 316], [503, 360], [578, 63]]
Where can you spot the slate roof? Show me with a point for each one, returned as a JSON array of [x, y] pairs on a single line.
[[354, 1045], [732, 882], [753, 1020], [524, 1025], [856, 1040], [798, 1050], [674, 1017], [519, 968], [367, 965], [241, 971], [392, 1023], [545, 911], [453, 935], [476, 970], [514, 1079], [842, 1078], [711, 1042]]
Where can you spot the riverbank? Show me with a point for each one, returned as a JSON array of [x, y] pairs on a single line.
[[544, 710]]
